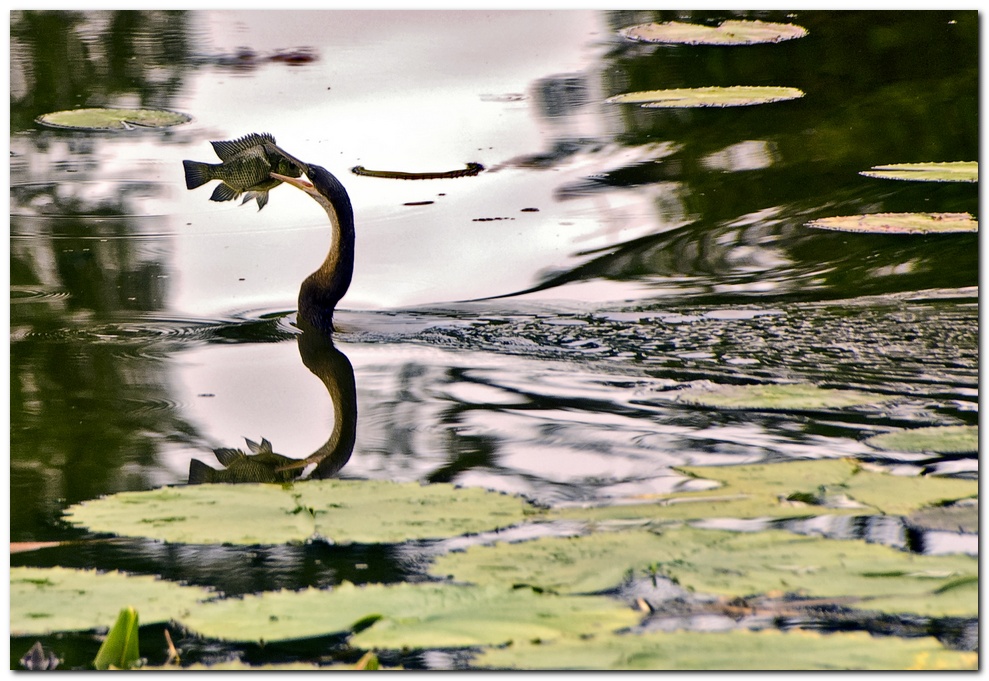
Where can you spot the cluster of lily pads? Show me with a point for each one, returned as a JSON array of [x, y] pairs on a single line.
[[543, 602], [756, 32]]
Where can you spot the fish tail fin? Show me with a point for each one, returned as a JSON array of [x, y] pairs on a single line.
[[224, 192], [197, 173], [200, 472]]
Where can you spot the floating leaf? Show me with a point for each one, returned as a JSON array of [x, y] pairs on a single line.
[[344, 511], [900, 223], [112, 119], [941, 439], [424, 615], [736, 650], [44, 600], [727, 33], [681, 98], [567, 565], [955, 171], [902, 494], [775, 397], [790, 489], [870, 576], [120, 648], [200, 514], [959, 517]]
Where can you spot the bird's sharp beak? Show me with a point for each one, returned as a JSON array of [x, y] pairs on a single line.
[[295, 182]]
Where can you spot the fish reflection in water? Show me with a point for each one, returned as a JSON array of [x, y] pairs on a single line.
[[262, 464], [247, 164]]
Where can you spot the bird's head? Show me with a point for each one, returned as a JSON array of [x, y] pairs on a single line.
[[323, 186]]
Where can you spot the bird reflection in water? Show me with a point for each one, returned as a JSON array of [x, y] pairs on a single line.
[[318, 297], [261, 463]]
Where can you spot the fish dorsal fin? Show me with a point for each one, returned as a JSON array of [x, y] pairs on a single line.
[[226, 150], [224, 192], [227, 456]]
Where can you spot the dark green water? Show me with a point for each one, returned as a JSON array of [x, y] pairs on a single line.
[[149, 325]]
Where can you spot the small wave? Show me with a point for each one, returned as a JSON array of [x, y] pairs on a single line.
[[36, 294]]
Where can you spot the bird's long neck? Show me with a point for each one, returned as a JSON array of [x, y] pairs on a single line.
[[323, 289], [337, 374]]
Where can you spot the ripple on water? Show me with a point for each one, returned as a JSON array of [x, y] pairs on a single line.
[[148, 335]]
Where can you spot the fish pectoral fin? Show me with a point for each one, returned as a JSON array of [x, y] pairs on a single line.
[[262, 198], [227, 149], [196, 173], [247, 197], [224, 192]]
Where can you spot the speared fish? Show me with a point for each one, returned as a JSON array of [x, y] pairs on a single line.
[[246, 166], [261, 465]]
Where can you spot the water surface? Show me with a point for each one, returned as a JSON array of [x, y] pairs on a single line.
[[519, 330]]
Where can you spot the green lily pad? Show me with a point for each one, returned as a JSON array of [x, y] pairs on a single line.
[[736, 650], [954, 171], [900, 223], [727, 33], [941, 439], [405, 615], [868, 576], [342, 511], [565, 565], [775, 397], [112, 119], [959, 517], [682, 98], [790, 489], [45, 600]]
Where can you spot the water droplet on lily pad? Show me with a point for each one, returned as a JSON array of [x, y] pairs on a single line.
[[112, 119], [727, 33], [685, 98], [954, 171], [941, 439], [900, 223], [775, 397]]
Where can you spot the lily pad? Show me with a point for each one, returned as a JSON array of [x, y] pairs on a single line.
[[683, 98], [736, 650], [112, 119], [954, 171], [959, 517], [405, 615], [790, 489], [565, 565], [941, 439], [342, 511], [45, 600], [729, 32], [776, 397], [854, 572], [900, 223]]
